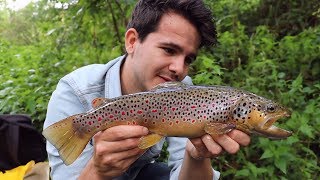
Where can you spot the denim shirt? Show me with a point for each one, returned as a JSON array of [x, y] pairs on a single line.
[[74, 94]]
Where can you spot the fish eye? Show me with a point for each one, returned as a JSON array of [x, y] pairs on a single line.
[[271, 108]]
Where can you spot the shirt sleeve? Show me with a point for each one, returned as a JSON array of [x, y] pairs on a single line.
[[63, 103]]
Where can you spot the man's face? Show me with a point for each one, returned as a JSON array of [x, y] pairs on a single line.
[[164, 55]]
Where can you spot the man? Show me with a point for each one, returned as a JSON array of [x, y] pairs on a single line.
[[161, 41]]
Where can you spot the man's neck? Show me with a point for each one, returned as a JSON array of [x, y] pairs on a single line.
[[126, 77]]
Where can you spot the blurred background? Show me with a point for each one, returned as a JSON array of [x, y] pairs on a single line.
[[268, 47]]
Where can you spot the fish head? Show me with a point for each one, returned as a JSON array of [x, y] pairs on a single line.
[[257, 115]]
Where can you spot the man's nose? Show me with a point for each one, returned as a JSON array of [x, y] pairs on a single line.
[[178, 67]]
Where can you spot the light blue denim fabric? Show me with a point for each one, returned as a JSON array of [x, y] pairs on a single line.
[[74, 94]]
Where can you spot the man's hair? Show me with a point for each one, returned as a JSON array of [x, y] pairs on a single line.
[[147, 14]]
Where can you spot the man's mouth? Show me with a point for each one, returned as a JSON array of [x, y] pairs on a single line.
[[167, 78]]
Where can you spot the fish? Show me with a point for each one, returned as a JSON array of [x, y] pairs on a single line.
[[171, 109]]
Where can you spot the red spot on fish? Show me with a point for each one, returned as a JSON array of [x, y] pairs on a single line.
[[163, 120], [154, 110], [106, 114], [193, 107], [111, 116], [133, 122], [89, 122], [147, 101], [164, 108], [170, 123], [177, 122], [131, 111], [205, 117], [193, 121], [173, 109], [99, 119], [123, 113], [139, 112], [183, 107], [184, 119]]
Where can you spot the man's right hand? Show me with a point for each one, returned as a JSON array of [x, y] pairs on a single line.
[[115, 149]]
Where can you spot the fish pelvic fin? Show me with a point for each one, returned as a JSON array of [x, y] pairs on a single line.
[[149, 140], [68, 140], [216, 128]]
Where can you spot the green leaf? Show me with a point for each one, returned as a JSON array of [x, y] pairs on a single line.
[[307, 130], [281, 164], [267, 154], [242, 172]]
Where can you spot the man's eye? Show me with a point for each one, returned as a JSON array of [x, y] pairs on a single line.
[[169, 51]]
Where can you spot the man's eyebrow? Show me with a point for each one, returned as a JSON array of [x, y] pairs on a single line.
[[172, 45], [178, 48]]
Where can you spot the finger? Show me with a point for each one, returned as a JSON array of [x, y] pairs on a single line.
[[240, 137], [124, 164], [227, 143], [121, 132], [198, 144], [113, 158], [214, 148], [193, 151], [106, 147], [113, 167]]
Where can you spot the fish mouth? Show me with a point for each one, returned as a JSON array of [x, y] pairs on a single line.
[[272, 131]]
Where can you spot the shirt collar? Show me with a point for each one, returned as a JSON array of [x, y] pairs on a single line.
[[112, 82]]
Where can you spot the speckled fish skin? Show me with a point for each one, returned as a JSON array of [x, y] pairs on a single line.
[[176, 109]]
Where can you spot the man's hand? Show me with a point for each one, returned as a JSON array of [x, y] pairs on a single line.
[[197, 163], [210, 147], [115, 149]]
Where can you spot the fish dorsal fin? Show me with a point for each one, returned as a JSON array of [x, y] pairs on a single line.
[[169, 85], [99, 101]]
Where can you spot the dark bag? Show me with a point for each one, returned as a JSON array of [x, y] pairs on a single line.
[[20, 142]]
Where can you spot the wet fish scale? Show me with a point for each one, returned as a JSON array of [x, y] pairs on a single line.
[[171, 109], [152, 109]]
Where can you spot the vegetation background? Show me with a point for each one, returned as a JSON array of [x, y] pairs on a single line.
[[268, 47]]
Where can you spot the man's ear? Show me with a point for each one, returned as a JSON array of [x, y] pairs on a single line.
[[131, 38]]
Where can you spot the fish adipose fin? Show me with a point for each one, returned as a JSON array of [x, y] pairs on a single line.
[[218, 128], [149, 140], [69, 141]]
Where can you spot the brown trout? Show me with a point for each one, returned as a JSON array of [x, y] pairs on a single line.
[[170, 109]]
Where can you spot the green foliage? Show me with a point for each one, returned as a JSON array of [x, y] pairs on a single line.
[[276, 55]]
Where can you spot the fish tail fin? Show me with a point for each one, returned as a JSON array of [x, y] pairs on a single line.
[[68, 139]]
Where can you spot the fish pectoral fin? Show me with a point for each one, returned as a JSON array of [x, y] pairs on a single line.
[[99, 101], [149, 140], [215, 128]]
